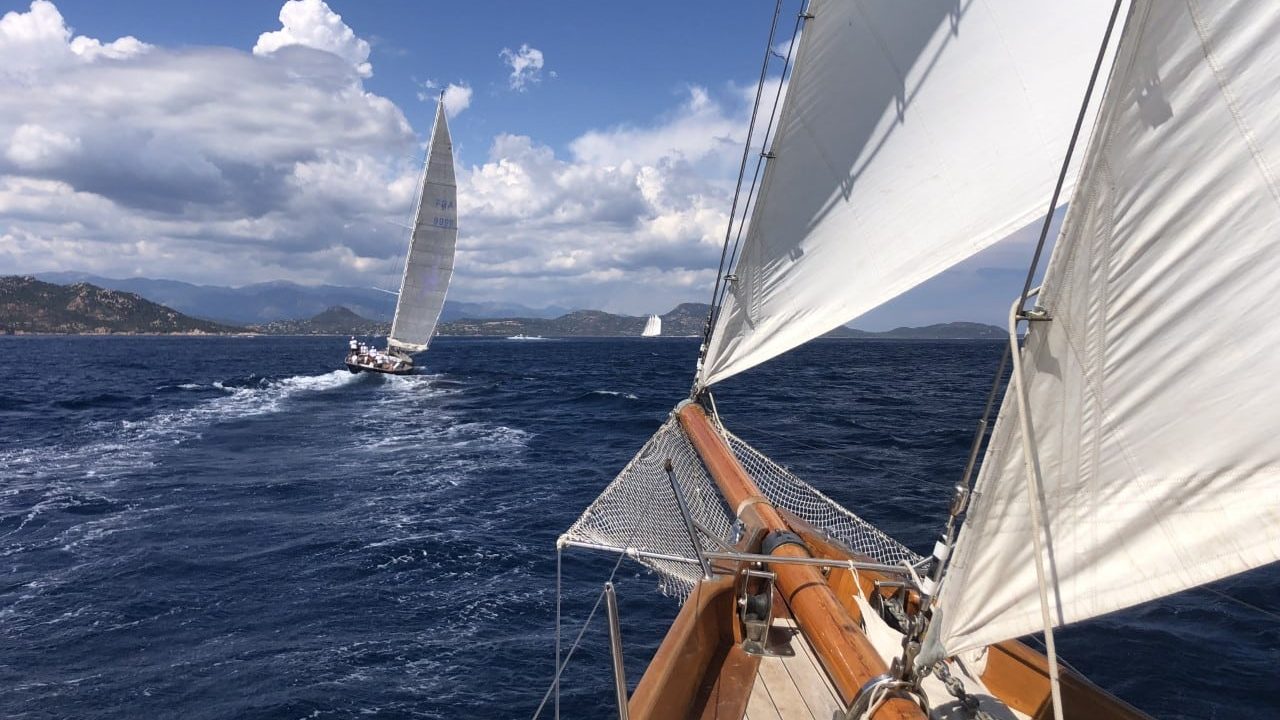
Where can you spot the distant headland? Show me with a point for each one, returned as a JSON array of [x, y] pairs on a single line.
[[32, 306]]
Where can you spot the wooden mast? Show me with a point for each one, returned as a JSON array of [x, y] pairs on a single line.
[[844, 650]]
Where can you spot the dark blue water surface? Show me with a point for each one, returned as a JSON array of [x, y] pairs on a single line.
[[231, 528]]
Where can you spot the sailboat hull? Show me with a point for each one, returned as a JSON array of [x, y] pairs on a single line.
[[356, 367]]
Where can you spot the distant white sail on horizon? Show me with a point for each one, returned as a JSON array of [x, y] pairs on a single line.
[[1153, 405], [899, 121], [653, 327], [428, 265]]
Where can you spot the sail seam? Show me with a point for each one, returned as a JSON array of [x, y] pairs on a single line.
[[1233, 106]]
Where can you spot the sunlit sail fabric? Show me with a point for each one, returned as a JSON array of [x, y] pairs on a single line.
[[429, 265], [652, 326], [912, 136], [1153, 389]]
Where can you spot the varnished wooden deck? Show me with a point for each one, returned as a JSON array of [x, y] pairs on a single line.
[[797, 688], [792, 688]]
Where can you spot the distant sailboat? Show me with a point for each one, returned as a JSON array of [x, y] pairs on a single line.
[[652, 328], [428, 265]]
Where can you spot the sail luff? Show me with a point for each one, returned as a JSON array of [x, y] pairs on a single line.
[[429, 260], [1152, 403], [911, 137]]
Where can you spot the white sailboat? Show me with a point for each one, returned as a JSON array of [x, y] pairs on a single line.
[[1134, 455], [428, 265], [652, 327]]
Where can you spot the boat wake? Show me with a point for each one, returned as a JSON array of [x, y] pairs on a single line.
[[110, 449]]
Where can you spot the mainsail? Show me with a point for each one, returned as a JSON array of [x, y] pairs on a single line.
[[429, 264], [1152, 391], [652, 327], [912, 136]]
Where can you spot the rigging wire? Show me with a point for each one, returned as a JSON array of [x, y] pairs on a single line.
[[1243, 603], [742, 171], [1017, 312], [764, 145], [1062, 176], [555, 681], [1071, 146]]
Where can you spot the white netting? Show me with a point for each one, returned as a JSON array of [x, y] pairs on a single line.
[[638, 510]]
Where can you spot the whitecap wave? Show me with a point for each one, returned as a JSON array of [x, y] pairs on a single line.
[[128, 445], [614, 393]]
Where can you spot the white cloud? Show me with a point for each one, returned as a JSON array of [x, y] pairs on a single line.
[[39, 39], [457, 97], [204, 164], [91, 49], [310, 23], [699, 129], [219, 166], [526, 66], [34, 147], [624, 231]]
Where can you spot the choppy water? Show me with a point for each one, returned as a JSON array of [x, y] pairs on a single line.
[[228, 527]]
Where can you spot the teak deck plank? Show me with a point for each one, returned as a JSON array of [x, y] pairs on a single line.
[[792, 688], [787, 698], [810, 678], [761, 706]]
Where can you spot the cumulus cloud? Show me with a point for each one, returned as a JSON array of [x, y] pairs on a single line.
[[310, 23], [526, 66], [700, 129], [34, 147], [457, 97], [206, 164], [223, 166], [40, 39], [632, 220]]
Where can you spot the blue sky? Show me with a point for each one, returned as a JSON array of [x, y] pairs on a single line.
[[615, 63], [238, 142]]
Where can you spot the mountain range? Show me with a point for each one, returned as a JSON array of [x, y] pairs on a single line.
[[28, 305], [684, 320], [264, 303]]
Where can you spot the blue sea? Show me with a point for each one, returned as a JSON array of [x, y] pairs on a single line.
[[235, 528]]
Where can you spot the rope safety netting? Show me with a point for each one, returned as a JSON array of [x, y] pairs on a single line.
[[638, 513]]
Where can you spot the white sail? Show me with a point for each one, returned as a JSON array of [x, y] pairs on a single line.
[[1153, 389], [913, 135], [652, 327], [429, 264]]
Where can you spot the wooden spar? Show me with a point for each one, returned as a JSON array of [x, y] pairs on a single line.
[[844, 650]]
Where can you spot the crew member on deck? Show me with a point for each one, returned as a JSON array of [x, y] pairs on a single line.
[[355, 346]]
